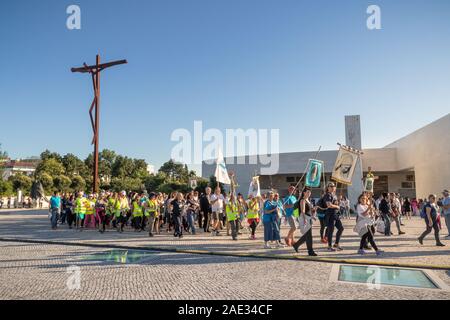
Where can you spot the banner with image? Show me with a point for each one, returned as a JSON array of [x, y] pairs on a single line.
[[345, 165], [368, 186], [314, 173], [254, 188]]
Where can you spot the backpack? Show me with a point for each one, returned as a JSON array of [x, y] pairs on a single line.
[[423, 212]]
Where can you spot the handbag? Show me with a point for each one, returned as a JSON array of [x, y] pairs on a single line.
[[380, 226], [304, 223]]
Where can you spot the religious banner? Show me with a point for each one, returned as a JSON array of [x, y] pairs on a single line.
[[193, 183], [314, 173], [368, 186], [345, 165], [254, 188], [221, 173]]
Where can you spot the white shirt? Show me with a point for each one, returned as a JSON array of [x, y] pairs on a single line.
[[361, 208], [218, 205]]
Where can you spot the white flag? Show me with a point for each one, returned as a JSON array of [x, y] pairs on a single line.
[[221, 173]]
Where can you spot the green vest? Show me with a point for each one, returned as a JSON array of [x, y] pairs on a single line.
[[253, 213], [137, 210], [152, 208], [79, 205], [90, 206], [232, 212], [296, 213]]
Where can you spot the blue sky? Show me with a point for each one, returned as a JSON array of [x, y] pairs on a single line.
[[299, 66]]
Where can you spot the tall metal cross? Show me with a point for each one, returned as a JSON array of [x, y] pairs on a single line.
[[95, 121]]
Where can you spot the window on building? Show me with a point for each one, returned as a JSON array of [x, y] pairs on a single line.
[[407, 185], [410, 178]]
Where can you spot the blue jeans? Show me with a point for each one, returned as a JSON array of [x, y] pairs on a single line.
[[387, 223], [54, 217], [447, 222], [190, 222], [271, 231]]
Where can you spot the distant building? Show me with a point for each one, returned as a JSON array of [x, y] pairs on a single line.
[[414, 166], [25, 166]]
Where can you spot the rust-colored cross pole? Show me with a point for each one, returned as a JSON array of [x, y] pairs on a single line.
[[95, 106]]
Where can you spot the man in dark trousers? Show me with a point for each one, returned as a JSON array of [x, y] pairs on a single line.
[[205, 210], [332, 217]]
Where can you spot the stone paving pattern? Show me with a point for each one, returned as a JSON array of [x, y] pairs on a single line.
[[35, 225], [40, 272]]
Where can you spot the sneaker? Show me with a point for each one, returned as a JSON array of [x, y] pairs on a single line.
[[337, 247], [379, 252], [401, 232], [440, 244], [312, 254], [267, 246], [331, 249], [420, 241], [361, 252]]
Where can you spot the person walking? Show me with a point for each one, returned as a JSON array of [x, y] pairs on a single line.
[[364, 226], [446, 210], [192, 205], [271, 232], [177, 206], [55, 209], [429, 214], [385, 212], [395, 212], [306, 221], [205, 210], [151, 209], [232, 212], [407, 208], [217, 200], [253, 214], [333, 218], [71, 217], [289, 203]]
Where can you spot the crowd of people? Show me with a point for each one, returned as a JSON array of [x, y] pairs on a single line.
[[218, 213]]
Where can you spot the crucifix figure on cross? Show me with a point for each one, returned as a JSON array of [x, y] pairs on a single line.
[[95, 106]]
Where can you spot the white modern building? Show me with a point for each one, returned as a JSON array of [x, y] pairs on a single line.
[[414, 166], [11, 167]]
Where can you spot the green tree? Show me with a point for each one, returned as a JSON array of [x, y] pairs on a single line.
[[201, 184], [47, 154], [153, 182], [78, 184], [51, 166], [3, 154], [62, 183], [6, 188], [127, 184], [47, 182], [21, 181], [175, 171], [73, 165], [105, 165]]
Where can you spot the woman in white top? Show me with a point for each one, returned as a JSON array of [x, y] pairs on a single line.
[[364, 226]]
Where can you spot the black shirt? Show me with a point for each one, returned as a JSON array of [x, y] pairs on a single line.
[[205, 206], [176, 207], [329, 197]]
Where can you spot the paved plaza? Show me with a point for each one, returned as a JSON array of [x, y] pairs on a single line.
[[33, 270]]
